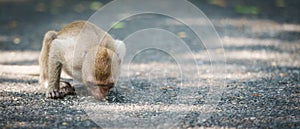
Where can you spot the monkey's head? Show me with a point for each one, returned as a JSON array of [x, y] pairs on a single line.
[[101, 73]]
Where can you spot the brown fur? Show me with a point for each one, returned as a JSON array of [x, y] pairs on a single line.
[[74, 28], [102, 65], [89, 65], [43, 59]]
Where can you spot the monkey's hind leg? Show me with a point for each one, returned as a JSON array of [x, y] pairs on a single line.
[[43, 58], [54, 71]]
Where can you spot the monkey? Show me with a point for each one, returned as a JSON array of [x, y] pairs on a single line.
[[86, 53]]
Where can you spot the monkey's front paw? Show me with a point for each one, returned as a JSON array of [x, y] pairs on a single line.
[[66, 88], [54, 94]]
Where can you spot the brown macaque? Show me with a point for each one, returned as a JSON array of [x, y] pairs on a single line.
[[86, 53]]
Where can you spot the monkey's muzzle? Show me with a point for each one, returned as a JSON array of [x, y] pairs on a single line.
[[100, 91]]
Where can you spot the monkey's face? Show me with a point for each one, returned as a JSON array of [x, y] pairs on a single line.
[[100, 91], [102, 75]]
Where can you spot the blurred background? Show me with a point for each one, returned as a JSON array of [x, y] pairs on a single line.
[[23, 22]]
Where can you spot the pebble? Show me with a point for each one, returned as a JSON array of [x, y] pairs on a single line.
[[65, 123]]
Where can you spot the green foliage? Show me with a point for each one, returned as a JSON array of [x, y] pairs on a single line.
[[221, 3], [95, 5], [246, 9], [280, 3], [118, 25]]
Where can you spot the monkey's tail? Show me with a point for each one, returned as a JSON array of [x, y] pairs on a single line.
[[43, 59]]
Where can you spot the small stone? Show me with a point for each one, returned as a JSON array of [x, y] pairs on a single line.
[[182, 34], [252, 118], [273, 64], [16, 40], [65, 123], [234, 102]]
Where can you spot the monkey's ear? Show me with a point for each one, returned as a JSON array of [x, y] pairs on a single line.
[[121, 48]]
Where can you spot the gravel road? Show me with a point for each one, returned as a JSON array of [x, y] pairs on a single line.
[[260, 85]]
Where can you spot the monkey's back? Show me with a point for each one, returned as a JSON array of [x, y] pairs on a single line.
[[75, 40]]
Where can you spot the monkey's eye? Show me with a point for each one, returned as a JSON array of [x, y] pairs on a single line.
[[108, 86]]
